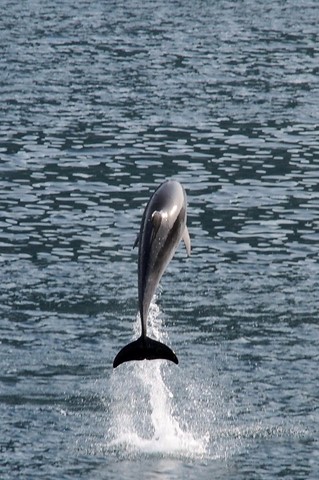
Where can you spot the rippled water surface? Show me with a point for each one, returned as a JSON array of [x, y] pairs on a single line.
[[100, 102]]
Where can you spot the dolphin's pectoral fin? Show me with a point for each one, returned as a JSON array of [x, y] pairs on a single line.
[[156, 221], [144, 348], [187, 241], [136, 240]]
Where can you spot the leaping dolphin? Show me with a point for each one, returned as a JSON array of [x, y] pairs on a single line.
[[162, 228]]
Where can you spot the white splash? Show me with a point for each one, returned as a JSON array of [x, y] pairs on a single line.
[[142, 407]]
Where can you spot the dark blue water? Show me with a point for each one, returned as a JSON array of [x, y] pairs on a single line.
[[100, 102]]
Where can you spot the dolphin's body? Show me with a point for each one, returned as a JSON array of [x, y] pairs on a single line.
[[162, 228]]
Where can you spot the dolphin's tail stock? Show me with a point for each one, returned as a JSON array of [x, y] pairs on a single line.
[[144, 348]]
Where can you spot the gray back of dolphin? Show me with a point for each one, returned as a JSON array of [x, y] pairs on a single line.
[[162, 228]]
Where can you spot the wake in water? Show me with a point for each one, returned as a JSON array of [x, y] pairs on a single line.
[[156, 408], [142, 407]]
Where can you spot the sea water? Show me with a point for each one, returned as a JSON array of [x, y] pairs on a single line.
[[100, 102]]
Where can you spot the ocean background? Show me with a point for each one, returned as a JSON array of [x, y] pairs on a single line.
[[101, 101]]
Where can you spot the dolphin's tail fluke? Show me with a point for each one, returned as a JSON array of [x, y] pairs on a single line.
[[144, 348]]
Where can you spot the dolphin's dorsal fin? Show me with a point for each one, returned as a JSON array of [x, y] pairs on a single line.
[[187, 241]]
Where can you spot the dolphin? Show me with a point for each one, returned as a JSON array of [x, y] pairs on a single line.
[[162, 228]]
